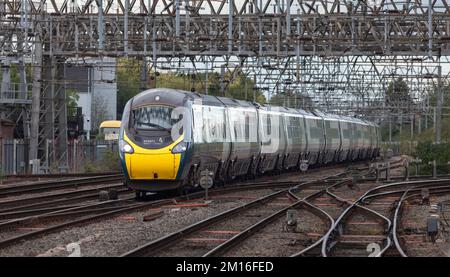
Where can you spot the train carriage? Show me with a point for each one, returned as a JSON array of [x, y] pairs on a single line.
[[316, 138], [358, 139], [211, 142], [272, 138], [332, 137], [296, 141], [347, 138], [172, 139], [243, 126]]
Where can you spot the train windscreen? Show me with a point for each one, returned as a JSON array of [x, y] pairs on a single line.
[[153, 118]]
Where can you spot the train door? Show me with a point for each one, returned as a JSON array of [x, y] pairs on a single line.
[[346, 141], [243, 131], [211, 146], [269, 134], [316, 138], [295, 139], [333, 140]]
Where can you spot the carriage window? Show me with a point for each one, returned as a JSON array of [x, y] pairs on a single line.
[[294, 126], [316, 130], [332, 132], [346, 134], [198, 124], [214, 124], [247, 127]]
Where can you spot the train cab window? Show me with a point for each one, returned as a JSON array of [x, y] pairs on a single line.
[[153, 118]]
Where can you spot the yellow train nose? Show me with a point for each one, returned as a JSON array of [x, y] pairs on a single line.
[[153, 166]]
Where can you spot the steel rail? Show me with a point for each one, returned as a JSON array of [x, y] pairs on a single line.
[[168, 240], [57, 184], [220, 249], [262, 223], [356, 204], [156, 203], [21, 203], [398, 211]]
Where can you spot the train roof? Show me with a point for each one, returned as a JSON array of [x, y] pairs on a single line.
[[307, 113], [235, 103], [178, 97], [164, 96], [327, 116]]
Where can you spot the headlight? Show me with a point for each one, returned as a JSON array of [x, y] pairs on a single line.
[[125, 147], [180, 147]]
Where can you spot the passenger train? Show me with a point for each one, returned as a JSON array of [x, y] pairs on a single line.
[[170, 139]]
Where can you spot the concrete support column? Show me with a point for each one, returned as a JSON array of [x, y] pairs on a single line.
[[36, 99], [439, 100], [6, 80]]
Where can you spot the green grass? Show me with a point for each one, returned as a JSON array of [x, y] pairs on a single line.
[[425, 135], [423, 146]]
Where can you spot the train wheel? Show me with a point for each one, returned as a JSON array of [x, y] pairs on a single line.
[[140, 195], [230, 173]]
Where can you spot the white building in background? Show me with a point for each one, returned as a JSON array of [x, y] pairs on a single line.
[[95, 81]]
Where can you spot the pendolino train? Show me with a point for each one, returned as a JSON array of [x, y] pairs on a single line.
[[171, 139]]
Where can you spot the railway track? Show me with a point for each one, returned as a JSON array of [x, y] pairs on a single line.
[[299, 205], [73, 193], [59, 198], [313, 202], [378, 234], [193, 241], [17, 201], [414, 238], [27, 178], [226, 228], [39, 187], [16, 230], [42, 217]]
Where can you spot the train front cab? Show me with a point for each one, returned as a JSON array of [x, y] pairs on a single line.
[[152, 160]]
